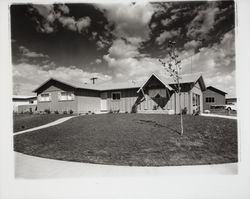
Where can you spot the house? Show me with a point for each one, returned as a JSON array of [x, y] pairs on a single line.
[[23, 104], [231, 101], [157, 93], [213, 96]]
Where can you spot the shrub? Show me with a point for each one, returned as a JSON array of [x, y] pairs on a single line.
[[56, 112], [47, 111], [184, 111], [110, 111], [155, 107], [65, 112], [134, 109], [71, 111], [126, 112]]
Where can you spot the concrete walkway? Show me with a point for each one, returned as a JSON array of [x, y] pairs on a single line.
[[221, 116], [59, 121], [34, 167]]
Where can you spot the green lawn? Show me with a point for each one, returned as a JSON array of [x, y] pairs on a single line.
[[27, 121], [135, 140]]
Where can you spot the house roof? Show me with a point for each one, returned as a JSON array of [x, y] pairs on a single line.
[[23, 97], [216, 90], [189, 78]]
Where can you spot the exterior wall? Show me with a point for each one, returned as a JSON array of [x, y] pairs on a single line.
[[19, 102], [219, 99], [196, 90], [88, 101], [55, 104], [150, 104], [27, 108], [125, 104]]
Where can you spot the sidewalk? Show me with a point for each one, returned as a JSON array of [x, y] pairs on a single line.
[[34, 167], [221, 116], [59, 121]]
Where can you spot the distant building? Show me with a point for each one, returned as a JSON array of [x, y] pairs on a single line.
[[24, 103], [231, 100], [213, 96]]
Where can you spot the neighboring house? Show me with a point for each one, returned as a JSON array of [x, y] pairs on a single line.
[[157, 93], [24, 103], [213, 96], [231, 101]]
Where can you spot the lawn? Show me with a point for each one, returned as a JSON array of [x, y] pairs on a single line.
[[27, 121], [135, 140]]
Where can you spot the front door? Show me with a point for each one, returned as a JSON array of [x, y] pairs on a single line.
[[104, 102]]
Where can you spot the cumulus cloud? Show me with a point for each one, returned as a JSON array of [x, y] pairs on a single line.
[[50, 14], [192, 44], [28, 54], [217, 63], [203, 23], [130, 20], [98, 61], [24, 81], [167, 35]]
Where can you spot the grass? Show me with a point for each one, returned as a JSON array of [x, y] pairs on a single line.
[[135, 140], [27, 121]]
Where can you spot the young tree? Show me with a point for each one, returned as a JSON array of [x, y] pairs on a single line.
[[173, 67]]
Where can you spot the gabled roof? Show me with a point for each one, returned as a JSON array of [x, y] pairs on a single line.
[[216, 90], [190, 78], [97, 87], [160, 79]]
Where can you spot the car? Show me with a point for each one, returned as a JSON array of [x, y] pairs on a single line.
[[230, 107]]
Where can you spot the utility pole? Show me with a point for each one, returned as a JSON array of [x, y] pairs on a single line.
[[93, 79]]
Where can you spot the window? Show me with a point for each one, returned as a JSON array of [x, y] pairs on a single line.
[[45, 97], [64, 96], [209, 99], [116, 96], [196, 99]]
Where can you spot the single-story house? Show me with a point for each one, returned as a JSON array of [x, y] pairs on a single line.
[[213, 96], [156, 93], [24, 103]]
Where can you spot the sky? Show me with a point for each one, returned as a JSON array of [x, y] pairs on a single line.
[[121, 42]]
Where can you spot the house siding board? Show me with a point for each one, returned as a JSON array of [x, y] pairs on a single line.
[[219, 99], [128, 99], [88, 104], [56, 105], [197, 90]]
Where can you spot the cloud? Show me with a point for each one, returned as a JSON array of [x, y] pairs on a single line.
[[120, 49], [27, 77], [192, 44], [130, 20], [98, 61], [217, 63], [203, 23], [168, 21], [51, 14], [167, 35], [28, 54]]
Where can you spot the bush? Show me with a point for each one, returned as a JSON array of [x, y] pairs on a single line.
[[65, 112], [184, 111], [134, 109], [71, 111], [155, 107], [56, 112], [47, 111], [110, 111]]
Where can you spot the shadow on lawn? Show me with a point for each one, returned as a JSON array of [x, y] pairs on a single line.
[[159, 125]]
